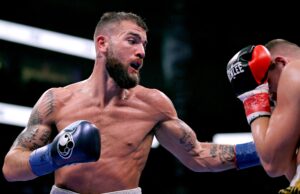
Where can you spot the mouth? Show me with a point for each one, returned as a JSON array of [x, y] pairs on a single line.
[[136, 65]]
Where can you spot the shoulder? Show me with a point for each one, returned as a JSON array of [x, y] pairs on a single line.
[[62, 93], [151, 94], [54, 94], [53, 98], [156, 98]]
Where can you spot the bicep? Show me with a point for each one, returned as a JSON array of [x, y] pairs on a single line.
[[176, 135], [38, 130], [35, 134], [178, 138]]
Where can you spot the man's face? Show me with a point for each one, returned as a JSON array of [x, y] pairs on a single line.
[[125, 54], [119, 72]]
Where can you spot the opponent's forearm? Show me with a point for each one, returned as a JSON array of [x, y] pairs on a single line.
[[16, 166], [259, 129]]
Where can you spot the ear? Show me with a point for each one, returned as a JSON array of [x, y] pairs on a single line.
[[281, 60], [102, 43]]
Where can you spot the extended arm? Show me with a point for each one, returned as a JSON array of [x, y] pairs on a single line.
[[177, 137]]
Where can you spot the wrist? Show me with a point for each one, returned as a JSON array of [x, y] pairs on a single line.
[[41, 161], [256, 102], [257, 105], [246, 155]]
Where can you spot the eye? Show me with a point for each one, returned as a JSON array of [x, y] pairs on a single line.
[[132, 41]]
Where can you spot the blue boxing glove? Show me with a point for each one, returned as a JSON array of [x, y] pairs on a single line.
[[246, 155], [77, 143]]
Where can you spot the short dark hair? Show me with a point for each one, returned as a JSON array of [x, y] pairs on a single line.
[[275, 42], [117, 17]]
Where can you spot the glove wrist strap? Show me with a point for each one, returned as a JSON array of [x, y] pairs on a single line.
[[257, 105], [246, 155]]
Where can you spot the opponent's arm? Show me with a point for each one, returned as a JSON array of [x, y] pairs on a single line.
[[275, 138]]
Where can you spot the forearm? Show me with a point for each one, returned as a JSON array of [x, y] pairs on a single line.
[[210, 157], [276, 163], [259, 130], [239, 156], [263, 144], [16, 166]]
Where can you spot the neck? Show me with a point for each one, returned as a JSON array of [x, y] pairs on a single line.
[[103, 86]]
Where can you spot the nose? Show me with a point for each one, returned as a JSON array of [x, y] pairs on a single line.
[[141, 51]]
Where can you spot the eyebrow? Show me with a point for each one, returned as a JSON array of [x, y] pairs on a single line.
[[138, 37]]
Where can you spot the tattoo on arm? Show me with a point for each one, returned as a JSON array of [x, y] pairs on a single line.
[[35, 118], [214, 150], [34, 137], [48, 105], [188, 139], [224, 152]]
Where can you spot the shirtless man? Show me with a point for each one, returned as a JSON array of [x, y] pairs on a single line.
[[272, 70], [126, 116]]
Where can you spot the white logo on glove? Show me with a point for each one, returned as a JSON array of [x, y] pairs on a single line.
[[234, 70], [65, 145]]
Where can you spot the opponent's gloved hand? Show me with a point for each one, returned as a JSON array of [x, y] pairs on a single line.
[[247, 73], [77, 143]]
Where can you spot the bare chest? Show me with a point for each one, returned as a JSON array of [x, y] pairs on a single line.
[[121, 123]]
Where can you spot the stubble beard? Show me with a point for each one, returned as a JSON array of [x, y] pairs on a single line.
[[119, 73]]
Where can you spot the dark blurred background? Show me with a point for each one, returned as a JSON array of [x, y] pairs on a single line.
[[189, 46]]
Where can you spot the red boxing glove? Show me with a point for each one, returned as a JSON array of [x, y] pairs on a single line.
[[247, 73]]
